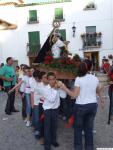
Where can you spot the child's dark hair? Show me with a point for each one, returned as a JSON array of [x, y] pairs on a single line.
[[36, 73], [51, 74], [17, 67], [27, 68], [41, 74]]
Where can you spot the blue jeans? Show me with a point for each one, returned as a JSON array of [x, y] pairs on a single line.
[[84, 120], [28, 104], [36, 117], [50, 127]]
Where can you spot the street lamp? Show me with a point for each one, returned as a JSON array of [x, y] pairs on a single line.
[[73, 29]]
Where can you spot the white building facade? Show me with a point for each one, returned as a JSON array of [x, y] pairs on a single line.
[[93, 21]]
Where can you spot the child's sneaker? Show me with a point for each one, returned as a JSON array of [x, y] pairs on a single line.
[[28, 124], [64, 118], [55, 144], [25, 120], [37, 135], [41, 141]]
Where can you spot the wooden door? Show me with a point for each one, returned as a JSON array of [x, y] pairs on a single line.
[[87, 55]]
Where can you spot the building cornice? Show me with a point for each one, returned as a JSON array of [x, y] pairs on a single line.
[[42, 3]]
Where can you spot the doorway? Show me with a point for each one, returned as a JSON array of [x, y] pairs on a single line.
[[94, 57]]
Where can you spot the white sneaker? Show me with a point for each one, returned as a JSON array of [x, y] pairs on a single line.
[[94, 131], [25, 120], [64, 118], [83, 133], [28, 124]]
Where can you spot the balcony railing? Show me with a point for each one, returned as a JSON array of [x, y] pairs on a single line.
[[33, 50], [91, 40], [33, 20]]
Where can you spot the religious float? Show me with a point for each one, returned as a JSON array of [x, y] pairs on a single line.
[[55, 57]]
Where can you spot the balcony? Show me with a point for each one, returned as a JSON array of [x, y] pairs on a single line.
[[33, 20], [59, 19], [33, 50], [91, 40]]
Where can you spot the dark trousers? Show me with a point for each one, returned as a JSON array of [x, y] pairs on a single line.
[[110, 92], [10, 101], [35, 115], [41, 111], [50, 127], [23, 106], [63, 107], [84, 120]]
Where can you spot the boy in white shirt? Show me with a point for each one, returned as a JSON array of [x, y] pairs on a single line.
[[26, 93], [51, 105], [44, 83], [35, 99]]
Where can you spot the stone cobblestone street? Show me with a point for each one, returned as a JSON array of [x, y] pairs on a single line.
[[14, 135]]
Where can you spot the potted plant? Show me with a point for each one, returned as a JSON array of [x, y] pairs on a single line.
[[99, 43], [87, 34], [99, 34], [92, 5], [82, 35], [95, 34]]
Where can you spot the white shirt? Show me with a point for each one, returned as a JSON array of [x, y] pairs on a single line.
[[25, 80], [22, 87], [52, 99], [43, 86], [62, 93], [88, 85], [56, 48], [32, 82], [36, 90]]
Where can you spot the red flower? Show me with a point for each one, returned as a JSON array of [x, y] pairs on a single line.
[[46, 62], [48, 58]]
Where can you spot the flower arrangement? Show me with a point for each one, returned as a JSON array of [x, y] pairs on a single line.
[[64, 64], [95, 34]]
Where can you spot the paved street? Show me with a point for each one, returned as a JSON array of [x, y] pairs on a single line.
[[14, 135]]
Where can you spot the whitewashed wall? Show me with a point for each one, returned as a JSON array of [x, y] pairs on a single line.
[[13, 42]]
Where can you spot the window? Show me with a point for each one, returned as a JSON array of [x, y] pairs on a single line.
[[59, 14], [90, 35], [91, 29], [63, 34], [32, 15], [34, 41]]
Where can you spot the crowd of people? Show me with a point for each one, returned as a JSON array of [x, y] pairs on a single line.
[[45, 98]]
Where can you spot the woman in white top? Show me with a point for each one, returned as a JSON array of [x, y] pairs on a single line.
[[86, 88]]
